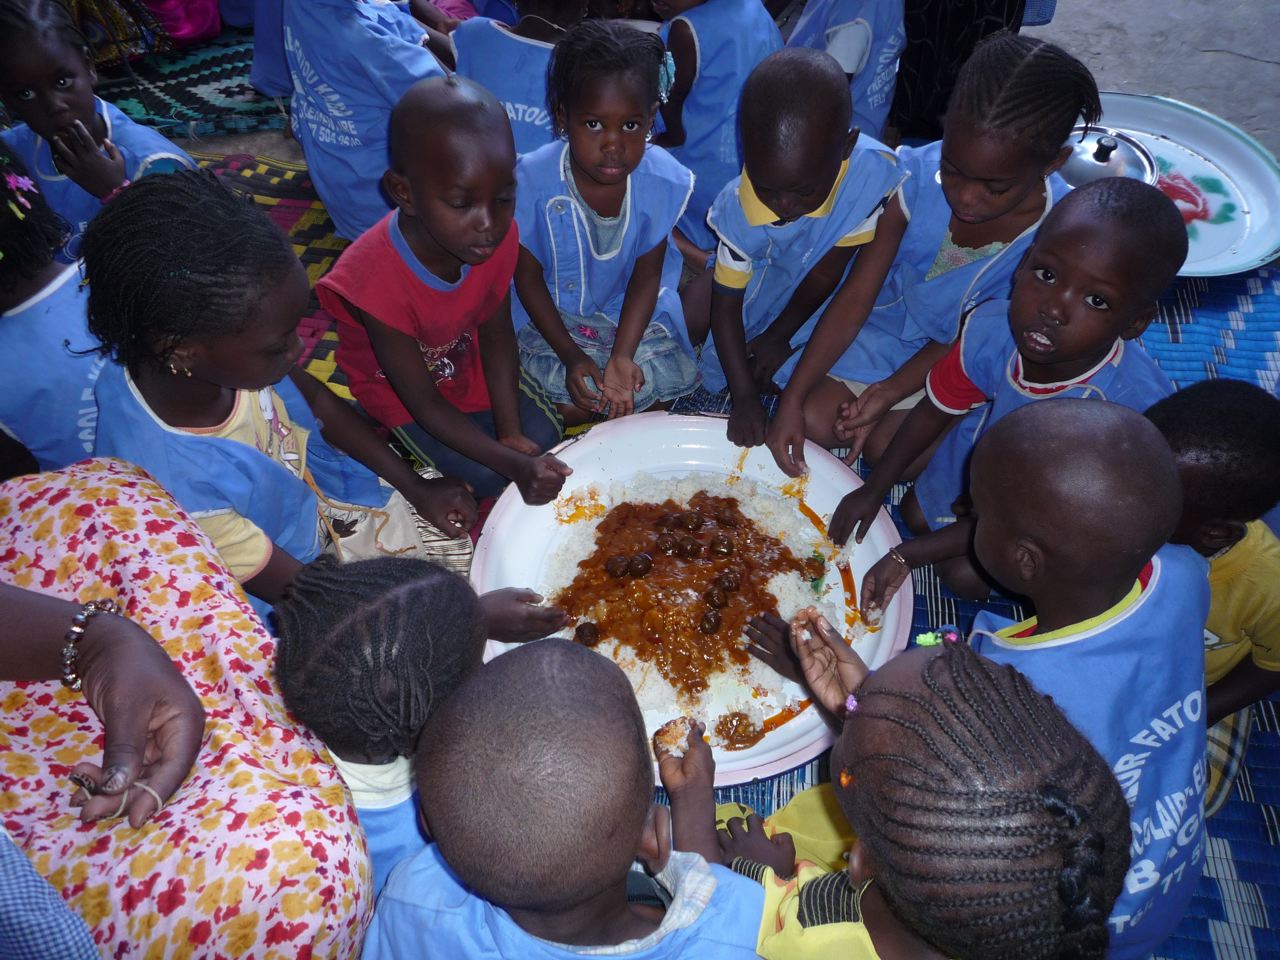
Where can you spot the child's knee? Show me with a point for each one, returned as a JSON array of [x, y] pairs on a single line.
[[912, 515]]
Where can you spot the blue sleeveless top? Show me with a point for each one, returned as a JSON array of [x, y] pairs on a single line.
[[554, 229], [513, 69], [731, 37], [874, 79]]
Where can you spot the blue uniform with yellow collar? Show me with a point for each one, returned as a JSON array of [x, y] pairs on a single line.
[[767, 260], [1132, 681]]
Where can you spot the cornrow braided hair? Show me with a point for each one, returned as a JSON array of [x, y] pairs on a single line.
[[22, 21], [177, 256], [30, 232], [1027, 89], [998, 830], [368, 650], [594, 48]]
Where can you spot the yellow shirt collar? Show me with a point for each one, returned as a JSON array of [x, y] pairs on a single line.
[[758, 215], [1009, 634]]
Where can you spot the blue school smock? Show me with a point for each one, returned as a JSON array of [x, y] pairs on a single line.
[[513, 69], [782, 254], [991, 361], [554, 229], [1132, 681], [351, 62], [47, 404], [144, 152], [269, 74], [731, 37], [209, 474], [910, 311], [873, 80]]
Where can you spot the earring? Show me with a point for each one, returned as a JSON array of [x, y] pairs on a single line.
[[172, 369], [648, 137]]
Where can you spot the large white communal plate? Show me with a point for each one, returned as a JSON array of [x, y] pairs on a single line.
[[518, 541], [1225, 183]]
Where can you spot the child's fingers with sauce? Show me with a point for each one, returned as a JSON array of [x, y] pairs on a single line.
[[832, 670], [880, 584], [694, 767]]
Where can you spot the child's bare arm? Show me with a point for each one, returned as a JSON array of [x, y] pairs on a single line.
[[621, 375], [857, 511], [1246, 683], [889, 573], [747, 419], [838, 327], [275, 577], [773, 347], [531, 288], [689, 781], [445, 502], [684, 51], [501, 364]]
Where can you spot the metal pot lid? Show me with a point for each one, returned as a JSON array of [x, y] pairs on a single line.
[[1225, 184], [1099, 152]]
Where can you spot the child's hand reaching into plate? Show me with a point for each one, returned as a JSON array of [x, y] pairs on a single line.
[[831, 669], [750, 840], [514, 615], [770, 642], [687, 770]]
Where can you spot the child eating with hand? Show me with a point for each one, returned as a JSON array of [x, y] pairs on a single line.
[[1074, 501], [1225, 435], [537, 788], [788, 227], [1085, 291], [423, 300], [1025, 866]]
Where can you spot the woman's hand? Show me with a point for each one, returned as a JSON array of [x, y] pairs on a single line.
[[749, 839], [152, 722], [830, 667], [539, 479], [446, 503], [97, 170], [516, 615], [622, 378]]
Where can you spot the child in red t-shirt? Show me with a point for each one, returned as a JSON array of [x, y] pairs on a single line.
[[423, 300]]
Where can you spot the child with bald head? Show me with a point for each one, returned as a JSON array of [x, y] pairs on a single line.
[[537, 787], [423, 299], [1074, 501]]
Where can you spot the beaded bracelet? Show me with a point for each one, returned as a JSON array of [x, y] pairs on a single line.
[[115, 193], [71, 652]]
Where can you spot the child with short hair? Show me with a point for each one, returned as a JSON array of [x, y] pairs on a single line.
[[360, 664], [1085, 291], [1225, 436], [967, 213], [78, 148], [599, 321], [715, 44], [1074, 503], [537, 788], [865, 37], [424, 305], [196, 296], [511, 62], [957, 776], [808, 198], [47, 358], [351, 61]]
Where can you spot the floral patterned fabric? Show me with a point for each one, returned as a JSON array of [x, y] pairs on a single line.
[[259, 853]]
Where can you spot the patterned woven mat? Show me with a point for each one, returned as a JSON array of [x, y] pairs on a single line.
[[201, 91], [1227, 326]]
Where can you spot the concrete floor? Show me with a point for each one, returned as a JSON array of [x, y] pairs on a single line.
[[1221, 55]]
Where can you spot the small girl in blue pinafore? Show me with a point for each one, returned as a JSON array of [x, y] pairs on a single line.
[[511, 62], [968, 211], [79, 149], [600, 323]]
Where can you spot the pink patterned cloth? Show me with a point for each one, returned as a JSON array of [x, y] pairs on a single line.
[[259, 853], [186, 21], [458, 9]]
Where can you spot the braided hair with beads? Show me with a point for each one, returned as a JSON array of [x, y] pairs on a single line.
[[996, 829], [592, 49], [174, 257], [1026, 89], [30, 232], [367, 651]]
